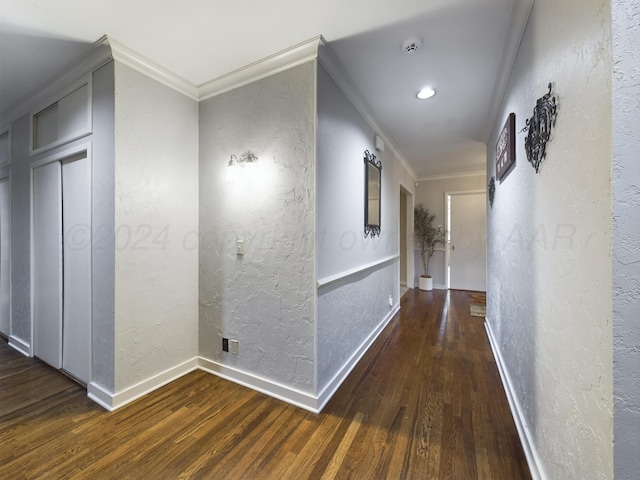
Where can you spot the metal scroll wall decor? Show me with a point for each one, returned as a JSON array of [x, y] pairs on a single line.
[[539, 128]]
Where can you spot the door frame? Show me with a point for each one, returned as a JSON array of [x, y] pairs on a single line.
[[410, 262], [447, 216], [6, 175]]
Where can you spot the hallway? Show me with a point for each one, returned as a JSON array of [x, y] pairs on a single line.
[[425, 402]]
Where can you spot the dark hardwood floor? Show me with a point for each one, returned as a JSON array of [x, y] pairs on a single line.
[[426, 402]]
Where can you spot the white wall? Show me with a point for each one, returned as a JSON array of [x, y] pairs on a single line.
[[265, 298], [343, 136], [549, 235], [156, 208], [103, 215], [351, 308], [626, 241], [431, 194]]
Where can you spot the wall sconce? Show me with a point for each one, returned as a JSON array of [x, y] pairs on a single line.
[[236, 166]]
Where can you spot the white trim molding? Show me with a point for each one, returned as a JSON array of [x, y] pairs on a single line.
[[291, 57], [285, 393], [290, 395], [97, 55], [332, 387], [125, 55], [20, 345], [334, 68], [347, 273], [111, 401], [520, 12], [84, 81], [101, 396], [530, 451], [101, 52]]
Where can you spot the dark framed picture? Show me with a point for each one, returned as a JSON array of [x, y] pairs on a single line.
[[506, 148]]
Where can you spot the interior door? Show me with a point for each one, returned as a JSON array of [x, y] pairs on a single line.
[[62, 264], [47, 252], [468, 244], [5, 257], [76, 223]]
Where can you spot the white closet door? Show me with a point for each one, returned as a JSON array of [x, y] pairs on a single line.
[[76, 223], [47, 246], [5, 257]]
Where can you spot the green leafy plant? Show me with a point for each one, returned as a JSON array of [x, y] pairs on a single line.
[[428, 235]]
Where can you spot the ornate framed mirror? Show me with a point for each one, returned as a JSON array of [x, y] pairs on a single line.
[[372, 194]]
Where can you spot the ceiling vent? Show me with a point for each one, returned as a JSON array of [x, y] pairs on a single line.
[[411, 45]]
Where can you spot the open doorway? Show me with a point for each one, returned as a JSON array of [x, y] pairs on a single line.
[[406, 240], [466, 252]]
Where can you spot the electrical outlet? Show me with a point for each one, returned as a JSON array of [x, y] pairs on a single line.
[[234, 347], [390, 300], [225, 344]]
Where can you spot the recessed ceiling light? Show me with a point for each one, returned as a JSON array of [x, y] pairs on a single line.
[[426, 92]]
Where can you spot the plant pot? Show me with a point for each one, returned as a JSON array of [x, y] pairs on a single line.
[[426, 283]]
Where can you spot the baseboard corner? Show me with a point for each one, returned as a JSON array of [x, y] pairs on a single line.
[[20, 345], [112, 401]]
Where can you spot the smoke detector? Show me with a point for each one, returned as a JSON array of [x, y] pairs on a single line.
[[411, 45]]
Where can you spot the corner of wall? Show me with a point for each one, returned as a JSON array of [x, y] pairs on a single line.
[[155, 227], [265, 297]]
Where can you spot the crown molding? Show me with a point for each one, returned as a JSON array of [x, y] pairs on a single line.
[[334, 68], [97, 55], [125, 55], [520, 12], [451, 176], [278, 62]]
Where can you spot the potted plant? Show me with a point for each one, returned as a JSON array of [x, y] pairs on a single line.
[[429, 238]]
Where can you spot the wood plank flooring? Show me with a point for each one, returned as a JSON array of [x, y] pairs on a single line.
[[425, 402]]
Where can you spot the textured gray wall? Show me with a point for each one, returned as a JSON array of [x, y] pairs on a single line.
[[264, 299], [103, 191], [21, 232], [156, 208], [352, 307], [549, 244], [626, 236]]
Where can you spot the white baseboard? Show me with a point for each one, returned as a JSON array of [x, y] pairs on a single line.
[[330, 389], [111, 401], [535, 465], [268, 387], [20, 345], [101, 396]]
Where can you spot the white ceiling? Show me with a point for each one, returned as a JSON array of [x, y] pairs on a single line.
[[467, 53]]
